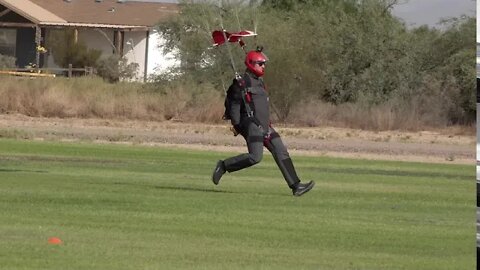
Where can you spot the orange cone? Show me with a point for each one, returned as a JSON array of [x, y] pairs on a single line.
[[54, 241]]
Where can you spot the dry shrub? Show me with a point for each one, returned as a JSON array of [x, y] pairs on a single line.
[[52, 104], [15, 96], [387, 116], [380, 117], [174, 102], [312, 113], [84, 97], [190, 102], [206, 105]]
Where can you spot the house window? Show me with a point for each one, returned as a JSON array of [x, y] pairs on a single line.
[[8, 41]]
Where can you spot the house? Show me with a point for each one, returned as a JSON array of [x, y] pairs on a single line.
[[118, 27], [478, 59]]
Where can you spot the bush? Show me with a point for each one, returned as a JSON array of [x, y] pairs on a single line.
[[86, 97], [115, 68], [7, 61], [67, 51], [352, 53]]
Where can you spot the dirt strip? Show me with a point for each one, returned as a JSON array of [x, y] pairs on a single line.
[[442, 146]]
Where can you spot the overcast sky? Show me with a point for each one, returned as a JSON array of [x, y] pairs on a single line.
[[430, 12], [478, 23]]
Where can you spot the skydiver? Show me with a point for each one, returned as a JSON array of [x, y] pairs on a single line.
[[248, 111]]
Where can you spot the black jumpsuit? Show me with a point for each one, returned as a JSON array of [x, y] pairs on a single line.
[[257, 130]]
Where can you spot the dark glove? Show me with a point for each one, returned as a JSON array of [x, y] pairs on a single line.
[[235, 129]]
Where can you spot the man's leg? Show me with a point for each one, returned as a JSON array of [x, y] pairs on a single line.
[[279, 152], [254, 139]]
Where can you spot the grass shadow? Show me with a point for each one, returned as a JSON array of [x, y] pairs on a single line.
[[174, 188], [394, 173], [194, 189], [16, 170], [197, 189]]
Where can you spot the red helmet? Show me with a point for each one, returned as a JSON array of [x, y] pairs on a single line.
[[255, 62]]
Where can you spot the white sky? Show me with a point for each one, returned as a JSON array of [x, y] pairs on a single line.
[[429, 12], [478, 22]]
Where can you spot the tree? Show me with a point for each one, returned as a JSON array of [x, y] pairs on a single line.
[[7, 61], [114, 68], [344, 51], [67, 51]]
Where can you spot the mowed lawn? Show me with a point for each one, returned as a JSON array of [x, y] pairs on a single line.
[[137, 207]]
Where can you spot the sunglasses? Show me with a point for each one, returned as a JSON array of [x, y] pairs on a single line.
[[260, 63]]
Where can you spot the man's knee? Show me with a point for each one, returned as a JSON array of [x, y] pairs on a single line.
[[278, 149], [255, 158]]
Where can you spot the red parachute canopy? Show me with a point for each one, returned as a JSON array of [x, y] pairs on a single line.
[[219, 37]]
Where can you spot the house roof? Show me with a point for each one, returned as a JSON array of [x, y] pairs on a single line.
[[93, 13], [31, 11]]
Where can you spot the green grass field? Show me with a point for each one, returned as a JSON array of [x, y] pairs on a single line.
[[133, 207]]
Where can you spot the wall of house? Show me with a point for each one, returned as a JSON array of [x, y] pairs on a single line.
[[101, 39], [26, 51], [158, 62], [134, 47], [48, 57], [98, 39], [19, 43], [8, 41], [134, 50]]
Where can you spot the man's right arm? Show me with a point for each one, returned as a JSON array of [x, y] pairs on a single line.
[[235, 98]]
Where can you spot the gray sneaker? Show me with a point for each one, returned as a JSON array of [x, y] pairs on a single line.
[[218, 172], [301, 188]]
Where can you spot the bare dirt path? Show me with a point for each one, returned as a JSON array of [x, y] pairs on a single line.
[[442, 146]]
